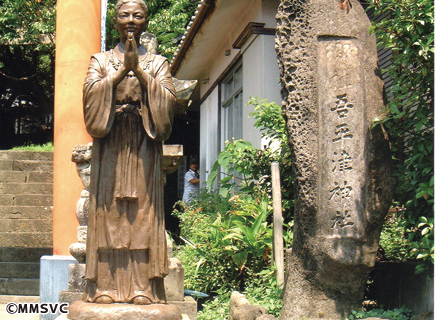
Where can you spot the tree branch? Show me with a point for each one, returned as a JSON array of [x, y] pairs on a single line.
[[20, 79]]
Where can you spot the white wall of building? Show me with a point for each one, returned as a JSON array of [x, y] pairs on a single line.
[[260, 79], [260, 71], [209, 134]]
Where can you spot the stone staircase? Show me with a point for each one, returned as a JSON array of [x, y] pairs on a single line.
[[26, 183]]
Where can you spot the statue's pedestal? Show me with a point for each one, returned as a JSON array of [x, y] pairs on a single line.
[[173, 288], [80, 310]]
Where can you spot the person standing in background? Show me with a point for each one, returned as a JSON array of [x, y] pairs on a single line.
[[192, 183]]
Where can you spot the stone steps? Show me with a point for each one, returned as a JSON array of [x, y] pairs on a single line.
[[36, 200], [26, 165], [26, 239], [27, 270], [18, 254], [26, 212], [25, 225], [19, 286], [8, 176], [25, 155], [26, 188]]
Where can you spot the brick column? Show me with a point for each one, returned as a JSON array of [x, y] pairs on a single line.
[[77, 38]]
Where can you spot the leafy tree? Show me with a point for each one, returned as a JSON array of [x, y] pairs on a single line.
[[168, 20], [27, 54], [408, 29], [26, 69]]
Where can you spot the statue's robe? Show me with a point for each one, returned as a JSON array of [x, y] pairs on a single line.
[[126, 246]]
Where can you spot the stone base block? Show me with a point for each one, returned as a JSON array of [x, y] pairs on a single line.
[[188, 306], [174, 286], [70, 296], [76, 277], [80, 310]]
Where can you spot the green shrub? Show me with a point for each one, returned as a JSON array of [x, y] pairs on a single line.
[[393, 238], [396, 314], [263, 291], [32, 147], [225, 248], [228, 247], [408, 30], [217, 308]]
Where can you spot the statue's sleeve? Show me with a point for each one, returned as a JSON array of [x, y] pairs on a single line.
[[160, 99], [98, 98]]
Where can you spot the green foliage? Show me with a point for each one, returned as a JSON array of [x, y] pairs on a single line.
[[408, 30], [227, 247], [248, 169], [168, 20], [217, 308], [422, 239], [393, 239], [33, 147], [266, 292], [231, 245], [28, 22], [262, 291], [396, 314], [27, 55], [169, 24]]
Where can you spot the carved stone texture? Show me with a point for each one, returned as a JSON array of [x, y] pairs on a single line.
[[266, 317], [174, 281], [241, 309], [82, 154], [236, 300], [81, 310], [248, 312], [328, 65]]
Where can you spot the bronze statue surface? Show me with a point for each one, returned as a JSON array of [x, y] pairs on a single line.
[[129, 101]]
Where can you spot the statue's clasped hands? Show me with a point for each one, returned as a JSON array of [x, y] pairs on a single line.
[[131, 61], [130, 64]]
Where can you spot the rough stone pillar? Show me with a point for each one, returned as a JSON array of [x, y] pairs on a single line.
[[331, 92], [77, 38]]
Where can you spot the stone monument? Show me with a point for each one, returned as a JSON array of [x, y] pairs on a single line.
[[331, 92]]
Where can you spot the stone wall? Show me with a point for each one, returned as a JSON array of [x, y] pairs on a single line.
[[26, 187]]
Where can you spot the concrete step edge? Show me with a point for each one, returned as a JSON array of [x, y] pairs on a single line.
[[26, 183], [24, 154], [4, 299]]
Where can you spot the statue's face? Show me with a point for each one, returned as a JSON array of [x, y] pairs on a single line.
[[131, 18]]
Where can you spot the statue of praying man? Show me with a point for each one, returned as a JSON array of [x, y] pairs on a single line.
[[129, 100]]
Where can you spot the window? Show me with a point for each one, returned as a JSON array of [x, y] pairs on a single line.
[[231, 120]]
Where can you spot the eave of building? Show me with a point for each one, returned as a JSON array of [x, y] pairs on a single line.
[[203, 9], [213, 33]]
